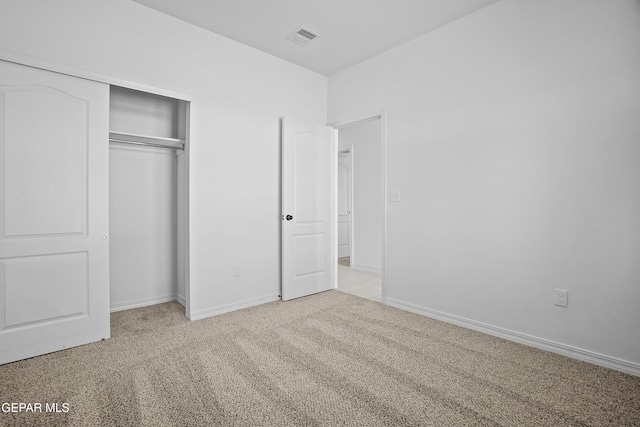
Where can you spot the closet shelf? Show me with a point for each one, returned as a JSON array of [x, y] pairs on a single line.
[[154, 141]]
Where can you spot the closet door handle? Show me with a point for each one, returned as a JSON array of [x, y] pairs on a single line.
[[289, 217]]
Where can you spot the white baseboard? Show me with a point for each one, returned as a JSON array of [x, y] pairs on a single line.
[[365, 268], [214, 311], [543, 344], [142, 302], [181, 300]]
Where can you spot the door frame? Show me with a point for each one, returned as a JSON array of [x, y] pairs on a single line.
[[339, 124]]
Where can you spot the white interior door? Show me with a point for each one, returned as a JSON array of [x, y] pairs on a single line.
[[344, 204], [308, 254], [54, 252]]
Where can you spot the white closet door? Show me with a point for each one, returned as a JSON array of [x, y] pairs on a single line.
[[54, 251]]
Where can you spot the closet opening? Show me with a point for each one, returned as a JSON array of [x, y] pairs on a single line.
[[148, 199]]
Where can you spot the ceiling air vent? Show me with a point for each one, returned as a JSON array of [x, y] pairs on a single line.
[[302, 36]]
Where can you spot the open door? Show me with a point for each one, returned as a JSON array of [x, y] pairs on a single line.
[[54, 252], [308, 239]]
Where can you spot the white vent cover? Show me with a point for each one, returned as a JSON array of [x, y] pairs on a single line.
[[302, 36]]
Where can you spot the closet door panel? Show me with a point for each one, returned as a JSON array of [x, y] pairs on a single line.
[[54, 250], [27, 283], [41, 197]]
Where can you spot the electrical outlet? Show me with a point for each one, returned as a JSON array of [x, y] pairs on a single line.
[[560, 297], [236, 270]]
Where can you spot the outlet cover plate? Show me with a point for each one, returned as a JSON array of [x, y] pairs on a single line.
[[560, 297]]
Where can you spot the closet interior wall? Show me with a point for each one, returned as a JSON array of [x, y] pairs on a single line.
[[147, 198]]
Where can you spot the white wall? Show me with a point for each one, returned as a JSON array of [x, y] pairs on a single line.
[[367, 193], [135, 112], [238, 95], [142, 226], [514, 137]]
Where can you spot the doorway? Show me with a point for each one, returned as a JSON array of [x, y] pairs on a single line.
[[147, 199], [360, 203]]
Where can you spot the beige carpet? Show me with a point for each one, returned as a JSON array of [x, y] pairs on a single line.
[[331, 359]]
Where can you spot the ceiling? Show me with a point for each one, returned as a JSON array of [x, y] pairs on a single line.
[[350, 31]]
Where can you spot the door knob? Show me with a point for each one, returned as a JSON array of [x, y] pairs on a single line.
[[289, 217]]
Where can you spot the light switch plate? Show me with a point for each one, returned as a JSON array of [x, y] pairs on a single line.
[[394, 195]]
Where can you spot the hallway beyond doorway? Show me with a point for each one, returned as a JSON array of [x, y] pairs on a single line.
[[360, 283]]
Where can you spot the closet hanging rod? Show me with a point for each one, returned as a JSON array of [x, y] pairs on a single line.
[[150, 144]]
